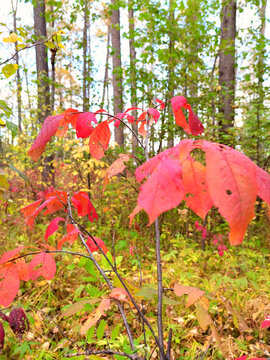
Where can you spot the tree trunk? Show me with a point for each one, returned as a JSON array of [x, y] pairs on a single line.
[[18, 75], [42, 81], [105, 80], [117, 71], [227, 71], [171, 65], [41, 61], [85, 56], [132, 64], [260, 73]]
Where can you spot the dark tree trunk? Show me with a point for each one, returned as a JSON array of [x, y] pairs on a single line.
[[117, 71], [227, 71], [42, 81], [105, 80]]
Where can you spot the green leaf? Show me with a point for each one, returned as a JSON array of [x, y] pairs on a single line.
[[9, 70], [115, 332], [18, 172], [4, 107], [90, 333], [90, 268], [101, 329], [12, 127]]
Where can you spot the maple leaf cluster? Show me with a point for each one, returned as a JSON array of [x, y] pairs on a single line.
[[229, 181], [99, 137]]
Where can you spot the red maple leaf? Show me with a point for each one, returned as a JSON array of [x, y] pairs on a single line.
[[42, 264], [84, 206], [83, 126], [99, 140], [163, 190]]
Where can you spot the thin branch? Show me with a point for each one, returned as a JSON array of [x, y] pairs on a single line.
[[26, 47], [103, 274]]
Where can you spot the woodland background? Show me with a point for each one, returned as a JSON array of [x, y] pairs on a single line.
[[120, 54]]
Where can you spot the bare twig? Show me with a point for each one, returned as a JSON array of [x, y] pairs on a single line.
[[24, 48]]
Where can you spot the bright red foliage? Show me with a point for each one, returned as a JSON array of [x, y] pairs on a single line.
[[83, 126], [99, 140], [84, 206], [47, 268], [231, 183], [93, 247], [53, 227]]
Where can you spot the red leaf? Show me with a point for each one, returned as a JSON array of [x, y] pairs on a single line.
[[194, 181], [53, 227], [231, 179], [2, 336], [84, 127], [9, 284], [266, 322], [30, 209], [22, 269], [96, 315], [56, 201], [263, 184], [117, 166], [137, 209], [9, 255], [154, 113], [71, 237], [93, 247], [99, 140], [119, 294], [196, 127], [194, 294], [48, 129], [163, 190], [18, 322], [162, 105], [42, 264], [177, 103], [84, 206]]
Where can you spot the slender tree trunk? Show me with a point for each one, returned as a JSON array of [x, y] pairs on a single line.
[[18, 75], [260, 73], [53, 58], [105, 81], [85, 55], [227, 71], [41, 61], [132, 64], [171, 65], [117, 71]]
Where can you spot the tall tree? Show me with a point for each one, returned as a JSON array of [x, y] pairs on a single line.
[[132, 72], [86, 69], [227, 71], [117, 68], [42, 81], [18, 74], [41, 60]]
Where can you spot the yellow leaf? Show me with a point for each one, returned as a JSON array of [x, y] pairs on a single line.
[[12, 38], [9, 70], [204, 319], [2, 123]]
